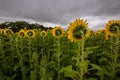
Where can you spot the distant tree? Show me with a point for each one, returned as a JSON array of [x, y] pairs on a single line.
[[16, 26]]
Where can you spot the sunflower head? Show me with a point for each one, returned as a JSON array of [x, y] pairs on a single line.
[[0, 31], [78, 30], [102, 31], [35, 30], [48, 30], [30, 33], [58, 32], [8, 32], [22, 33], [43, 33], [112, 27], [92, 33]]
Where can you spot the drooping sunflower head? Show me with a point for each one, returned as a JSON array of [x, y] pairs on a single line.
[[22, 33], [78, 30], [43, 33], [57, 32], [112, 27], [30, 33]]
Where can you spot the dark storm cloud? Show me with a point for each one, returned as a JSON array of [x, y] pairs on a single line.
[[109, 8], [58, 11]]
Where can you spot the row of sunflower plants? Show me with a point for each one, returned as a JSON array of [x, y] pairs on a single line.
[[55, 54]]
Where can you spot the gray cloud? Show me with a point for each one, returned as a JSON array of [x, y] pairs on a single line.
[[59, 11]]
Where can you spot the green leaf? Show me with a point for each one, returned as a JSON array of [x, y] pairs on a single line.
[[96, 66], [91, 48], [76, 58], [69, 72], [83, 65]]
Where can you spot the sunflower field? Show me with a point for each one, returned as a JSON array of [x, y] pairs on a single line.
[[77, 53]]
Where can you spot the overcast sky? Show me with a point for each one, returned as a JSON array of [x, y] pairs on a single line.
[[60, 12]]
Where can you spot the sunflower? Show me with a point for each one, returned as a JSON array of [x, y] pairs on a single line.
[[78, 30], [35, 30], [49, 30], [102, 31], [57, 32], [112, 27], [30, 33], [43, 33], [8, 32], [92, 33], [0, 31], [22, 33]]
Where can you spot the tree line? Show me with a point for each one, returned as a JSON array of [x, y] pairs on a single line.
[[16, 26]]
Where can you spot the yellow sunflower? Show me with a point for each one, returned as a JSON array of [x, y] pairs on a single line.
[[112, 27], [8, 32], [57, 32], [0, 31], [43, 33], [48, 30], [30, 33], [102, 31], [35, 30], [92, 33], [78, 30], [22, 33]]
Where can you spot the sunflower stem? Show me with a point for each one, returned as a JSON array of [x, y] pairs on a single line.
[[1, 48], [20, 58], [30, 57], [113, 73], [82, 58], [58, 58]]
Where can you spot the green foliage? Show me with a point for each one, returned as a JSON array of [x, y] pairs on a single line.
[[50, 58]]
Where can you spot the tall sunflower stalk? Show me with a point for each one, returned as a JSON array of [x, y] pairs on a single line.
[[1, 47], [20, 57], [33, 57], [32, 53], [82, 56], [112, 50], [43, 61], [1, 55], [58, 33], [78, 31], [81, 62], [115, 53], [58, 58], [30, 59]]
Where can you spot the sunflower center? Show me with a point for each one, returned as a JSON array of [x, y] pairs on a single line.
[[113, 28], [8, 32], [79, 31], [22, 34], [30, 33], [58, 32], [43, 33]]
